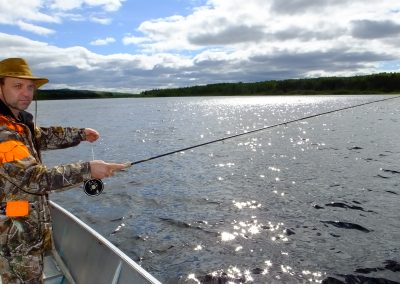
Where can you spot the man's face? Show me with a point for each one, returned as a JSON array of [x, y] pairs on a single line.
[[17, 93]]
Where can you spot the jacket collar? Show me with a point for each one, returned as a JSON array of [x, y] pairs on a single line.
[[4, 110], [24, 116]]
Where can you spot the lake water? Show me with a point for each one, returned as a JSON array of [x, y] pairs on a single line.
[[308, 202]]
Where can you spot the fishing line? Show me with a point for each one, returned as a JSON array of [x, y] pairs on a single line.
[[92, 153], [93, 182]]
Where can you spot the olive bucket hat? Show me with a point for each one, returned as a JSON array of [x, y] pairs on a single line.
[[19, 68]]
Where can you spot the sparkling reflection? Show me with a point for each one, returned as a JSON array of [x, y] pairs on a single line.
[[193, 278], [274, 169], [287, 269], [198, 247], [226, 237], [238, 248], [228, 165], [247, 101], [119, 227], [235, 274], [247, 204], [245, 229]]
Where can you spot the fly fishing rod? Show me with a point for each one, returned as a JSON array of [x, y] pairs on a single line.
[[94, 187]]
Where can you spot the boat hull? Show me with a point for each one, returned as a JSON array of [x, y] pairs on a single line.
[[88, 256]]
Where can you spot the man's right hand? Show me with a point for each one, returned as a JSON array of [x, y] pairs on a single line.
[[100, 169]]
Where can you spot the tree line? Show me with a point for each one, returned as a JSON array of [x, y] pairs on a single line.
[[68, 94], [381, 83], [367, 84]]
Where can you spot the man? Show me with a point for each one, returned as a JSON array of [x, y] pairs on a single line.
[[25, 224]]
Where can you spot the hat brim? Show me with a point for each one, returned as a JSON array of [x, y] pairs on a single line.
[[36, 80]]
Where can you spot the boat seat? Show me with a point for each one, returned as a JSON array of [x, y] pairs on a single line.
[[52, 272]]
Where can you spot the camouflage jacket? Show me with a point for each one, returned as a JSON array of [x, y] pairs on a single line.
[[24, 177]]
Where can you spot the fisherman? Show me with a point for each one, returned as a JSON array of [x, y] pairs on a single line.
[[25, 224]]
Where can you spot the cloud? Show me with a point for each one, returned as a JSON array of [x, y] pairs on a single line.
[[79, 68], [34, 28], [303, 6], [66, 5], [31, 15], [24, 10], [229, 35], [103, 41], [221, 23], [103, 21], [127, 40], [371, 29]]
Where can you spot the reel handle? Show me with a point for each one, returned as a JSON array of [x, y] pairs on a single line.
[[93, 187]]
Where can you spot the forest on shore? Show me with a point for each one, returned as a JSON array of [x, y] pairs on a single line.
[[381, 83]]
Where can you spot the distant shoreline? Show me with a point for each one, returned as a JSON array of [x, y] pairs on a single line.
[[375, 84]]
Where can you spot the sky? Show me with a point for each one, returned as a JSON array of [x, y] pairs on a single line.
[[132, 45]]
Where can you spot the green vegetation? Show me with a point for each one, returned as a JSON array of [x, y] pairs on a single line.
[[67, 94], [369, 84], [382, 83]]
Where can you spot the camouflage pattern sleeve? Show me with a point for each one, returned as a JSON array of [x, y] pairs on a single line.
[[60, 178], [57, 137], [35, 178]]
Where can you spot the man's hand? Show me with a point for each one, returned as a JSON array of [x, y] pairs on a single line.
[[100, 169], [91, 135]]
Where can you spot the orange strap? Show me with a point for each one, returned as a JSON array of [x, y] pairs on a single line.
[[18, 208], [11, 151], [5, 121]]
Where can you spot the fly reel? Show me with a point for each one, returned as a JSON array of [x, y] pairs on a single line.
[[93, 187]]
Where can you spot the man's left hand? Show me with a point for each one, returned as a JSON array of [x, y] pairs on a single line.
[[91, 134]]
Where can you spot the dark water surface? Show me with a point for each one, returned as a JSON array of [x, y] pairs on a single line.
[[315, 201]]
